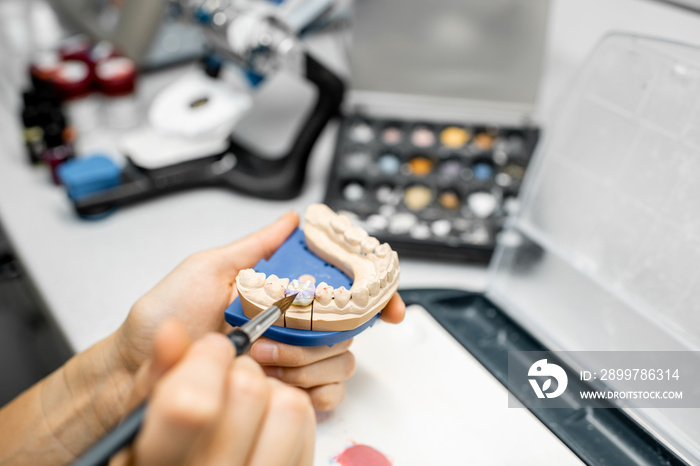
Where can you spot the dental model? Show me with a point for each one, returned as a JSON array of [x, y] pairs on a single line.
[[373, 267]]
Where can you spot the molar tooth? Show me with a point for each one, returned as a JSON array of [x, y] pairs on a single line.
[[355, 235], [341, 296], [315, 214], [250, 279], [341, 223], [382, 279], [382, 250], [369, 244], [274, 286], [390, 272], [324, 293], [360, 294], [304, 289], [374, 286]]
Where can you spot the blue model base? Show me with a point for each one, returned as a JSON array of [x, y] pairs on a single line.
[[292, 260]]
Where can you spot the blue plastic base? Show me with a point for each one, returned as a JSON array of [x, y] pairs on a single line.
[[292, 260]]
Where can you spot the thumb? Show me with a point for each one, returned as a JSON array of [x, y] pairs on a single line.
[[246, 252]]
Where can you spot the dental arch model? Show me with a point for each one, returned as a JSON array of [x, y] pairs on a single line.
[[373, 267]]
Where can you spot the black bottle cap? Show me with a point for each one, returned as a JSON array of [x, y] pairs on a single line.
[[53, 135], [56, 116], [31, 117], [29, 97], [50, 96]]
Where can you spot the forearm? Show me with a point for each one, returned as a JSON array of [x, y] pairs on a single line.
[[59, 417]]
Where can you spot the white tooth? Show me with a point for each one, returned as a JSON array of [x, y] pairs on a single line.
[[382, 279], [341, 223], [324, 293], [341, 296], [355, 235], [369, 243], [316, 214], [390, 272], [382, 250], [360, 294], [374, 287], [274, 287], [250, 279]]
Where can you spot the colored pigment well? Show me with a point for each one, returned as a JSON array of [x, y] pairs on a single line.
[[434, 190]]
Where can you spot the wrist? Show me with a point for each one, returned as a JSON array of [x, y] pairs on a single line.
[[88, 396]]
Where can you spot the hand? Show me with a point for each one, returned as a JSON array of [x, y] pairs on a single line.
[[69, 410], [198, 291], [321, 371], [208, 408]]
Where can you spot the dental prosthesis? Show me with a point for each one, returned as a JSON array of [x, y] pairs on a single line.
[[373, 267]]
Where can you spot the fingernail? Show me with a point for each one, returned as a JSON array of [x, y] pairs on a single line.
[[265, 352], [273, 371]]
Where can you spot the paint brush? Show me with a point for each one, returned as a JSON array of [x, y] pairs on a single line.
[[122, 435]]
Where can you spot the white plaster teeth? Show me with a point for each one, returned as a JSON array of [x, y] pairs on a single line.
[[355, 235], [341, 223], [360, 294], [372, 265], [275, 286], [369, 244], [250, 279], [374, 287], [390, 272], [324, 293], [341, 296], [382, 279], [382, 250]]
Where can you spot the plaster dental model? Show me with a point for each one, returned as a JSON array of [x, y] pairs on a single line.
[[373, 267]]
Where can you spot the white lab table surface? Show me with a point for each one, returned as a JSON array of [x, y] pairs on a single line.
[[418, 396]]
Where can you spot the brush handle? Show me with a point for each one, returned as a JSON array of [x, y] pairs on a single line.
[[122, 435]]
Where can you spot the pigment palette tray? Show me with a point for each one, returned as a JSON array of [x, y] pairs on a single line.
[[433, 190]]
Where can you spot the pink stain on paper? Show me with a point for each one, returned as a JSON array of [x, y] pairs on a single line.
[[362, 455]]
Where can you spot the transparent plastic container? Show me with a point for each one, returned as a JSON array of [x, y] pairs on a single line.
[[604, 254]]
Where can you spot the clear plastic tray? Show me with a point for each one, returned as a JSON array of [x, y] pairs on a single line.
[[605, 251]]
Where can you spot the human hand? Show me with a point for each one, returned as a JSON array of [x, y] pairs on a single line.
[[198, 290], [321, 371], [76, 405], [208, 408]]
